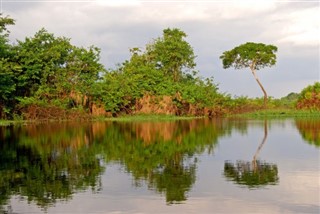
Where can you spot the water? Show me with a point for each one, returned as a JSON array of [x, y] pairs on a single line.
[[198, 166]]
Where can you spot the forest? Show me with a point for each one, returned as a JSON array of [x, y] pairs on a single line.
[[47, 77]]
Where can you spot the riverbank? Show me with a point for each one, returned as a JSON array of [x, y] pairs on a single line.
[[123, 118], [280, 113], [261, 114], [149, 117]]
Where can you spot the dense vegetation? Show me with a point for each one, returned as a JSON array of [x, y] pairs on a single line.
[[46, 77]]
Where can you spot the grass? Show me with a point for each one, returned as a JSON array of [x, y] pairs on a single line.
[[149, 117], [6, 122], [261, 114], [281, 113], [124, 118]]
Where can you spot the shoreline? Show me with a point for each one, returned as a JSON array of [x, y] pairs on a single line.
[[262, 114]]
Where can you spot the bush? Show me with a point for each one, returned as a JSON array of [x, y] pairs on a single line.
[[310, 97]]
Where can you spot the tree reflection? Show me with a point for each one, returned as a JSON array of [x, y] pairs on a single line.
[[163, 154], [42, 166], [173, 179], [309, 130], [47, 163], [254, 174]]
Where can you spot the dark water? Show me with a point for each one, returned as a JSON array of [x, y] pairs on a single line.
[[198, 166]]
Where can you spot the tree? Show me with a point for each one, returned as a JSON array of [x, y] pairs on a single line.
[[158, 69], [171, 53], [309, 97], [251, 55], [52, 68], [4, 33], [7, 66]]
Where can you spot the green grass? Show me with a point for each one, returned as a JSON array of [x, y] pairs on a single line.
[[147, 117], [6, 122], [262, 114], [281, 113], [124, 118]]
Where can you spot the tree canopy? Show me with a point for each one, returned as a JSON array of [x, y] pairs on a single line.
[[45, 71], [251, 55], [171, 53], [7, 65], [165, 67]]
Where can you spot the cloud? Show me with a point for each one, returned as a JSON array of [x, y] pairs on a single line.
[[117, 3], [301, 28]]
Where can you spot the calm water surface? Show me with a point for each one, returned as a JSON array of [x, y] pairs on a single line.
[[197, 166]]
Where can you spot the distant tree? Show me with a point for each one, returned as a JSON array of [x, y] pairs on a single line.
[[290, 100], [251, 55]]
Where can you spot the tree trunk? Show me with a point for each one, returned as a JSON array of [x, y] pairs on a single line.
[[254, 161], [264, 91]]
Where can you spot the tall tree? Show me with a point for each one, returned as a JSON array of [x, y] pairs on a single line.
[[171, 53], [251, 55]]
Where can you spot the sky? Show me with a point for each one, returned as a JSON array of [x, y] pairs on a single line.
[[212, 27]]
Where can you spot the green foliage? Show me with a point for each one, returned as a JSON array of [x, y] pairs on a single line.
[[8, 68], [290, 100], [49, 72], [164, 68], [45, 70], [4, 33], [52, 67], [310, 97], [171, 53], [250, 55]]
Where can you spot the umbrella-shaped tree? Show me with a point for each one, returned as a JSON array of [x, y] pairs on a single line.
[[251, 55]]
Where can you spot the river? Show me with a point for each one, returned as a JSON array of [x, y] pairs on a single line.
[[186, 166]]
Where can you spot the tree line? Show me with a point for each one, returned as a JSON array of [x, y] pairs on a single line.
[[47, 76], [45, 71]]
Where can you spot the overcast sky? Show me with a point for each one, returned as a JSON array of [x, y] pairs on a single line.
[[212, 26]]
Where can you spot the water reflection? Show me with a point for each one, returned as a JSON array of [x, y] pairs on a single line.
[[46, 163], [162, 154], [309, 130], [255, 173]]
